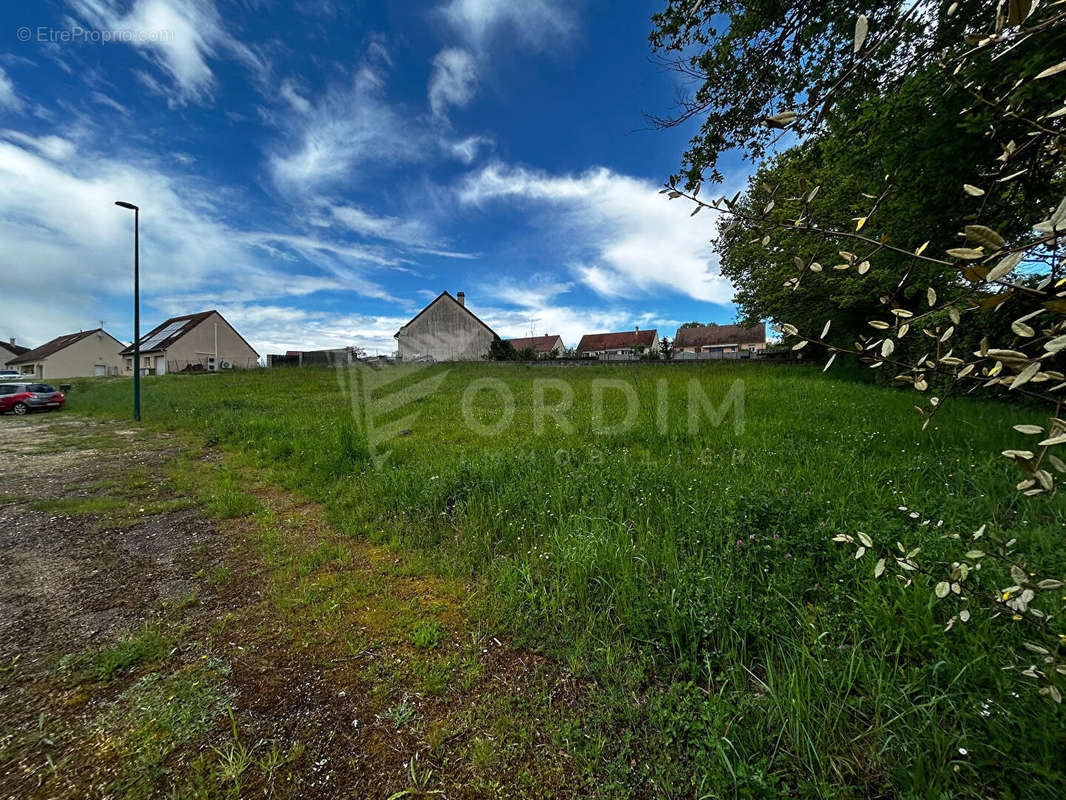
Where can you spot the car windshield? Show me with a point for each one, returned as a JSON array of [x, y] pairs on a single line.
[[40, 388]]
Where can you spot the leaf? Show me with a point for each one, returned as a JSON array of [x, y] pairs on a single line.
[[972, 190], [1055, 70], [930, 296], [964, 615], [879, 568], [1025, 375], [1018, 11], [879, 324], [942, 589], [859, 223], [800, 345], [860, 553], [1053, 440], [1031, 429], [975, 554], [791, 330], [825, 330], [1022, 329], [1049, 583], [1004, 267], [829, 363], [984, 235], [782, 120], [865, 539], [1056, 344], [967, 253], [696, 211], [921, 249], [956, 317], [887, 346], [862, 27]]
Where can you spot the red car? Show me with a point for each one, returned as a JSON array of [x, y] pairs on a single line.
[[22, 398]]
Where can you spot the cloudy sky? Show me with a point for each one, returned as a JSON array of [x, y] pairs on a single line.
[[318, 169]]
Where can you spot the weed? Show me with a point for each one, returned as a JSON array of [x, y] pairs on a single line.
[[146, 647], [401, 714], [427, 634]]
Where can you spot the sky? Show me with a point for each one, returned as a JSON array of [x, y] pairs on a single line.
[[319, 170]]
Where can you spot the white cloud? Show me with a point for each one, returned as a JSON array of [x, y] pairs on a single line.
[[8, 98], [533, 23], [623, 237], [110, 102], [466, 150], [54, 147], [179, 36], [350, 127], [454, 80], [275, 329], [72, 246], [292, 96]]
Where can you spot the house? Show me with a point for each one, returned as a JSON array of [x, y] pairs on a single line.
[[11, 350], [541, 345], [618, 346], [73, 355], [445, 330], [191, 343], [720, 341]]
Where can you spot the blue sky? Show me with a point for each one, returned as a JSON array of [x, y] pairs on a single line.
[[317, 170]]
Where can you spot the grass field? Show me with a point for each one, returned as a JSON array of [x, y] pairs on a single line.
[[681, 560]]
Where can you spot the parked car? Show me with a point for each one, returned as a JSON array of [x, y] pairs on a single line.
[[8, 375], [22, 398]]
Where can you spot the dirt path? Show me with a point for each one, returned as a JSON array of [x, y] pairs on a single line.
[[171, 624]]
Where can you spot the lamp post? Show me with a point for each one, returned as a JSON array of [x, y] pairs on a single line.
[[136, 307]]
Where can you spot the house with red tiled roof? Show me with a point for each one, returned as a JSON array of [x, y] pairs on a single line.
[[618, 345], [541, 345], [73, 355], [720, 340], [191, 343]]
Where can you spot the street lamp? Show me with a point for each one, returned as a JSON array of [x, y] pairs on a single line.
[[136, 307]]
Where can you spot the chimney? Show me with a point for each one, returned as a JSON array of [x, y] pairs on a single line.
[[636, 328], [461, 297], [12, 340]]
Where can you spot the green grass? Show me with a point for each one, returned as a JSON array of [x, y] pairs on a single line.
[[146, 647], [686, 568]]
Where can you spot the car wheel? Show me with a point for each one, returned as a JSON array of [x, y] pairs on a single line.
[[21, 409]]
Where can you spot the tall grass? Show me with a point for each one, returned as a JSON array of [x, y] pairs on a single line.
[[690, 569]]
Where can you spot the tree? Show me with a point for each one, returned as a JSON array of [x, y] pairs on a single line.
[[666, 349], [691, 325], [757, 63], [502, 350], [1006, 66]]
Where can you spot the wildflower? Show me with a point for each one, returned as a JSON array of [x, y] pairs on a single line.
[[963, 751], [777, 536], [788, 555], [740, 542]]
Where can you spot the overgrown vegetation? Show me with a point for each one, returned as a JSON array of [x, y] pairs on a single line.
[[691, 566]]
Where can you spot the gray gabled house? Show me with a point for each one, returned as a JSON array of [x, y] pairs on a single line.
[[445, 330]]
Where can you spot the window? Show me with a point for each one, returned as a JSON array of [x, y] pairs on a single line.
[[8, 388], [148, 361], [129, 364], [41, 388]]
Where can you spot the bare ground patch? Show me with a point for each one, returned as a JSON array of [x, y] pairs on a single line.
[[171, 625]]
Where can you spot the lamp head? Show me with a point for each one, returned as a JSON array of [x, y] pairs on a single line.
[[130, 206]]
